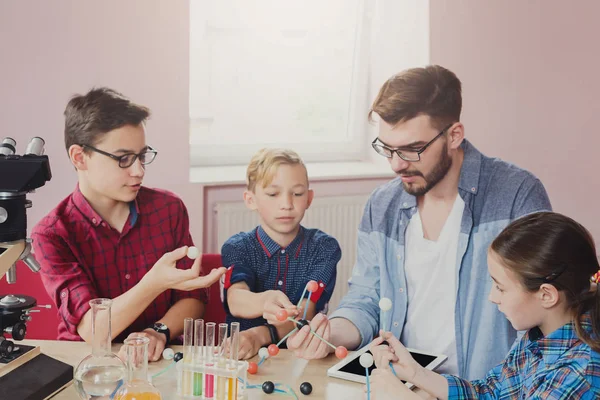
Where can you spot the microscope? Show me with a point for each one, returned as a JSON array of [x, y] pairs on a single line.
[[19, 175]]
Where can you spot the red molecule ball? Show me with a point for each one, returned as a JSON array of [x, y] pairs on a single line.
[[341, 352], [252, 368], [312, 286], [281, 315], [273, 350]]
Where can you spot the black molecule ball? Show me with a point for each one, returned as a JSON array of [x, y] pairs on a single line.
[[268, 387], [302, 323], [177, 356], [306, 388]]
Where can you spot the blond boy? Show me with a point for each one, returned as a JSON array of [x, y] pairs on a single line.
[[270, 265]]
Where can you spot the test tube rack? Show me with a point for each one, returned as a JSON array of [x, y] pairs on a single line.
[[229, 381]]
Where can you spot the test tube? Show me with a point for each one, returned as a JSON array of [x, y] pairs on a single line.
[[209, 378], [232, 384], [198, 355], [188, 356], [221, 361]]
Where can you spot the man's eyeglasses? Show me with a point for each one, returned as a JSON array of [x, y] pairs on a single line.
[[126, 160], [406, 154]]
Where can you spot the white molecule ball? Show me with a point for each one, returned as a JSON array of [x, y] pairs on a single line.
[[385, 304], [366, 360], [168, 353], [193, 252], [263, 352]]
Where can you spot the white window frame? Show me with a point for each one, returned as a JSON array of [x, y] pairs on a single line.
[[351, 149]]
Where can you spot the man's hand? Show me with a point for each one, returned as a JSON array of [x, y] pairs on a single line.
[[165, 274], [157, 344], [385, 386], [273, 301], [306, 345]]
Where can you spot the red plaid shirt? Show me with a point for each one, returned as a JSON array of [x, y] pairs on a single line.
[[83, 258]]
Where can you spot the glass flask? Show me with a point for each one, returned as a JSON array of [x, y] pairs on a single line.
[[100, 374], [137, 386]]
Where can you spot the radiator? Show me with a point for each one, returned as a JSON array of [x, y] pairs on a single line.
[[336, 216]]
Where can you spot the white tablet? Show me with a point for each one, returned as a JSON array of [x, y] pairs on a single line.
[[350, 369]]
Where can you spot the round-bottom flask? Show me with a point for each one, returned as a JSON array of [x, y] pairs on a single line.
[[100, 374]]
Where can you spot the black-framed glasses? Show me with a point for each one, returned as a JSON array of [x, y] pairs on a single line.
[[406, 154], [126, 160]]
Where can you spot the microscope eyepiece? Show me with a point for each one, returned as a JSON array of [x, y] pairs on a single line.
[[35, 146], [8, 146]]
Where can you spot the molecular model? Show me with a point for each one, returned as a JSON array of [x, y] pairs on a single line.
[[193, 252], [273, 349], [282, 315], [366, 361]]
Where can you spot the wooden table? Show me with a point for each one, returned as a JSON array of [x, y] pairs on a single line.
[[278, 369]]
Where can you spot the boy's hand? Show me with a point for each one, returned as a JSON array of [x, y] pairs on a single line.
[[403, 363], [384, 386], [157, 344], [273, 301], [250, 343], [165, 274]]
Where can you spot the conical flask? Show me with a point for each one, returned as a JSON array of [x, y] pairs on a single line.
[[137, 387], [99, 375]]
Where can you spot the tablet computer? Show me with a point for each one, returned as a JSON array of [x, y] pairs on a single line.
[[350, 369]]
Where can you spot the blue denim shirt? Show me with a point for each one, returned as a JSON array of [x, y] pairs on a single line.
[[495, 193]]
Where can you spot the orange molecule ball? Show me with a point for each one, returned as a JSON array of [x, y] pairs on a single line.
[[273, 350], [252, 368], [312, 286], [281, 315], [341, 352]]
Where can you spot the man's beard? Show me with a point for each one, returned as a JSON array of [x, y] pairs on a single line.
[[437, 174]]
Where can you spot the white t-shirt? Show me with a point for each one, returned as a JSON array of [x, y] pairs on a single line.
[[431, 272]]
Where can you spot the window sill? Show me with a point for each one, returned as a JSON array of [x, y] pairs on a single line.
[[236, 174]]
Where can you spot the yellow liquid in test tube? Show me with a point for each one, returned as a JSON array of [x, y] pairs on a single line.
[[187, 386], [232, 386], [139, 396], [221, 382]]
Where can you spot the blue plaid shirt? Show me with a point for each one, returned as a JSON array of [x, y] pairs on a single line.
[[253, 257], [558, 366]]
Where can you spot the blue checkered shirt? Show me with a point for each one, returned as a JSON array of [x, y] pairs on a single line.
[[259, 261], [558, 366]]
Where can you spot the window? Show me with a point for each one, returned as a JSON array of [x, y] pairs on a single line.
[[268, 73]]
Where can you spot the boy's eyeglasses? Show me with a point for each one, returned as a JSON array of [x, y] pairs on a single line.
[[406, 155], [127, 160]]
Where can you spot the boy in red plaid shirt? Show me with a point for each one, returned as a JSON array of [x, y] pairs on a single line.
[[114, 238]]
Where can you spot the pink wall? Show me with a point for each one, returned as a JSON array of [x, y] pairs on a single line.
[[51, 50], [530, 75], [529, 85]]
